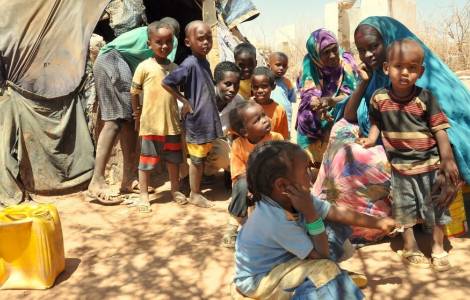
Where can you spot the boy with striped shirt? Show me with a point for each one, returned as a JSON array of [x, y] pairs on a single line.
[[413, 134]]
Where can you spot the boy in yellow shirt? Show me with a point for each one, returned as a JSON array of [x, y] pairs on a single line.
[[157, 120]]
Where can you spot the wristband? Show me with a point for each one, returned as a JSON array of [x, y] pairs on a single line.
[[316, 227]]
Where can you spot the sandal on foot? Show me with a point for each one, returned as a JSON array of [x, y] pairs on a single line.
[[230, 236], [414, 258], [440, 262], [142, 206], [105, 197], [200, 200], [180, 198]]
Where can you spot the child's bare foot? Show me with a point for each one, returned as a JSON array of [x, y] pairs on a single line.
[[199, 200], [179, 198]]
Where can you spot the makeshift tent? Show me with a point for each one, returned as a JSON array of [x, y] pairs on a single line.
[[45, 145]]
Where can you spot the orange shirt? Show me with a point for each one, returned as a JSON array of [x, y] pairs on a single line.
[[241, 149], [278, 118]]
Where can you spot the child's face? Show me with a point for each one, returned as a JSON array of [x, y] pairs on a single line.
[[161, 42], [301, 173], [247, 63], [200, 40], [261, 89], [329, 56], [404, 68], [278, 64], [256, 124], [228, 87]]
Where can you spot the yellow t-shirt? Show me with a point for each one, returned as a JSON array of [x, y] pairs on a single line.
[[241, 149], [245, 89], [159, 110]]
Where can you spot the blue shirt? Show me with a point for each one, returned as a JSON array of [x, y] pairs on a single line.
[[269, 237], [195, 76], [284, 95]]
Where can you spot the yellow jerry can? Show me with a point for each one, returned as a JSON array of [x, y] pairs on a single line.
[[458, 225], [31, 246]]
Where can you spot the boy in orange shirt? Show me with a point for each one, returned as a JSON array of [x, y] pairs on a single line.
[[262, 83]]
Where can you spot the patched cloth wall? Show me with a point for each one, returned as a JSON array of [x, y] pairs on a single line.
[[45, 146]]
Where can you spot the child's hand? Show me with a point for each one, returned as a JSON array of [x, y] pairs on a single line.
[[387, 225], [450, 171], [365, 142], [301, 200], [186, 109], [447, 191], [136, 116]]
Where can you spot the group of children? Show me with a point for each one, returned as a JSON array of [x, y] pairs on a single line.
[[273, 174], [206, 111]]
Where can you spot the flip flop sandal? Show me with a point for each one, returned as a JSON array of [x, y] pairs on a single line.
[[407, 257], [104, 198], [200, 201], [440, 262], [131, 200], [142, 206], [230, 236], [359, 279], [180, 198]]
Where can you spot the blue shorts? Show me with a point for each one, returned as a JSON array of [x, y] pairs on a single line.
[[413, 200]]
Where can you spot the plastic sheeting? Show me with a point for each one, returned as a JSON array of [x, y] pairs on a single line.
[[44, 141], [126, 15]]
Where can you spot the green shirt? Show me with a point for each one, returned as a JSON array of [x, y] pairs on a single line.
[[133, 47]]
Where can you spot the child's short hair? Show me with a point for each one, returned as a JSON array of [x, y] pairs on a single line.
[[157, 25], [268, 162], [173, 23], [189, 28], [280, 54], [266, 72], [244, 48], [407, 42], [235, 116], [222, 67]]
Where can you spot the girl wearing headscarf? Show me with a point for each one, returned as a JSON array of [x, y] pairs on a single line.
[[328, 76]]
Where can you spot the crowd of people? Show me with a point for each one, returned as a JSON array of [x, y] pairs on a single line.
[[380, 146]]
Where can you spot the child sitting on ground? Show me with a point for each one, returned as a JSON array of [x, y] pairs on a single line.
[[262, 83], [291, 241], [201, 118], [227, 83], [284, 93], [249, 121], [161, 141], [413, 133], [245, 58]]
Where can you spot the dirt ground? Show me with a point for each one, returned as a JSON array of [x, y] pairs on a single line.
[[173, 253], [113, 252]]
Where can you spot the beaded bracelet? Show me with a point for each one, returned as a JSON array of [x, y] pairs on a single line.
[[316, 227]]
